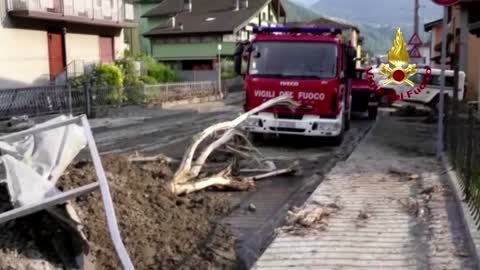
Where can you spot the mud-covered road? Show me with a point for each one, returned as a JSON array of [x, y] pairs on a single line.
[[169, 131]]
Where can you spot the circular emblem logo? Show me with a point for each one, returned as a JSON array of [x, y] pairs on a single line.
[[446, 2]]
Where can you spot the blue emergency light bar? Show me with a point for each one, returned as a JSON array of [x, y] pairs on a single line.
[[305, 30]]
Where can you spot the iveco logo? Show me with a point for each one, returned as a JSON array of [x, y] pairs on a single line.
[[288, 83]]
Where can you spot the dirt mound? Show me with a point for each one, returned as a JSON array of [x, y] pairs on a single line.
[[160, 230]]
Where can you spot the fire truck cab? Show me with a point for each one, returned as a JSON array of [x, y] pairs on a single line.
[[311, 65]]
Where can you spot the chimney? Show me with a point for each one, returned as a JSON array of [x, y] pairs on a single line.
[[187, 5], [243, 4], [237, 5]]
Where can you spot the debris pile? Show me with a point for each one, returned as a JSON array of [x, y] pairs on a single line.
[[159, 229], [191, 175], [418, 206], [301, 220]]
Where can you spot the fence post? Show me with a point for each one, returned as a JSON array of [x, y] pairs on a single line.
[[88, 105], [166, 92], [469, 151], [69, 89], [454, 110]]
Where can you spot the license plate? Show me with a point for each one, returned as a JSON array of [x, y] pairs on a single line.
[[372, 103], [284, 124]]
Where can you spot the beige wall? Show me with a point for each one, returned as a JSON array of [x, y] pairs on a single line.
[[87, 47], [119, 46], [24, 55], [473, 56], [82, 47], [23, 58]]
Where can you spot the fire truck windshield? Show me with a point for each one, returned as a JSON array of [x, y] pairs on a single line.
[[294, 59]]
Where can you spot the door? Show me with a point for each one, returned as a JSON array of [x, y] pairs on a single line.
[[56, 54], [106, 49]]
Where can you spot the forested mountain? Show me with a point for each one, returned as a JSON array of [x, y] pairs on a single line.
[[377, 19]]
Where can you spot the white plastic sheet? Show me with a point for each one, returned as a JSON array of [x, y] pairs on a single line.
[[34, 164]]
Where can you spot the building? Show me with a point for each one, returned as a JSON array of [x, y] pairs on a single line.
[[187, 33], [463, 43], [465, 19], [350, 32], [43, 40], [435, 29]]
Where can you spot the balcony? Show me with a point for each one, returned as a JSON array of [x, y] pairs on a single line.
[[114, 13]]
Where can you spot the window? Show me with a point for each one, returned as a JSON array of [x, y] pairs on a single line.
[[264, 16], [436, 80], [302, 59]]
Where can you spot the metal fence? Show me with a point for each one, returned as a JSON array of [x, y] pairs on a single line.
[[175, 91], [43, 100], [198, 75], [36, 101], [463, 148]]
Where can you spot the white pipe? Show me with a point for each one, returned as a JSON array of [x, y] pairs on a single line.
[[107, 200]]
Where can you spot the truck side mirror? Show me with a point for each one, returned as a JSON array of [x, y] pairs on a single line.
[[238, 59], [351, 63]]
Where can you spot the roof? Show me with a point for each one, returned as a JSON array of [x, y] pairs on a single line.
[[165, 7], [430, 25], [322, 21], [224, 18]]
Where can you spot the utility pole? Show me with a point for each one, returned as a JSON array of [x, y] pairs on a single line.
[[442, 84], [219, 67], [416, 17]]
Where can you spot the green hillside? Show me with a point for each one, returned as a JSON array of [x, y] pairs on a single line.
[[297, 12], [379, 29]]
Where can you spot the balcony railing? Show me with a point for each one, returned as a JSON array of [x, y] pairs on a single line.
[[90, 10]]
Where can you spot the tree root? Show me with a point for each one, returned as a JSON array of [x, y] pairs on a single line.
[[226, 137]]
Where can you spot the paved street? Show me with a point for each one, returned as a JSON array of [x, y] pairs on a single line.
[[169, 131], [394, 209]]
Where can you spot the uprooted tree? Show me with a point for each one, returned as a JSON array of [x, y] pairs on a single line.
[[224, 136]]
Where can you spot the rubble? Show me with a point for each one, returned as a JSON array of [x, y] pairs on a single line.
[[160, 229], [152, 218], [302, 220], [187, 178]]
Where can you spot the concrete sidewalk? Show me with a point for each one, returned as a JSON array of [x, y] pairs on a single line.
[[396, 210]]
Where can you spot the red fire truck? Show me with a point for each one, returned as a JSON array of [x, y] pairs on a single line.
[[364, 97], [313, 66]]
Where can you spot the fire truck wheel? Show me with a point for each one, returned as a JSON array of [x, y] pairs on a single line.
[[372, 113], [337, 140], [347, 120]]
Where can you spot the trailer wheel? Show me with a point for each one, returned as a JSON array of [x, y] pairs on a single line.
[[372, 113]]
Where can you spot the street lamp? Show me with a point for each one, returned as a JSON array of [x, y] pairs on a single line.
[[219, 50]]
